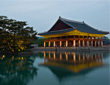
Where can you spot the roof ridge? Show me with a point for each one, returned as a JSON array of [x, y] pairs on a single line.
[[70, 20]]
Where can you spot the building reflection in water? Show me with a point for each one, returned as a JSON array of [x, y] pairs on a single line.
[[16, 70], [73, 61]]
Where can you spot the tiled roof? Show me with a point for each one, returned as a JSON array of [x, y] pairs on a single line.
[[56, 32], [81, 26]]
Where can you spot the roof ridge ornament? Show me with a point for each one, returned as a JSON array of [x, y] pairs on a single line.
[[59, 17]]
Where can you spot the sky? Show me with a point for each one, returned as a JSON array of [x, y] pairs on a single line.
[[42, 14]]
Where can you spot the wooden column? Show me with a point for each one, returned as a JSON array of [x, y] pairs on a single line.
[[44, 43], [87, 43], [54, 43], [66, 43], [74, 43], [49, 43], [98, 43], [102, 43], [60, 43], [95, 43], [79, 43], [91, 43], [83, 43]]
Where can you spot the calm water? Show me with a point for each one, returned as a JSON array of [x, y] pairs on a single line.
[[54, 68]]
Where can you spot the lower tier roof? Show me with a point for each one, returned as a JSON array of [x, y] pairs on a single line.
[[68, 32]]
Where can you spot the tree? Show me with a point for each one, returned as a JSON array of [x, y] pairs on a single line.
[[41, 42], [15, 35]]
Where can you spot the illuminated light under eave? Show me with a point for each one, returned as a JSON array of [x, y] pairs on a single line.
[[74, 32]]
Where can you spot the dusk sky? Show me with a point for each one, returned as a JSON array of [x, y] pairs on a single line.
[[42, 14]]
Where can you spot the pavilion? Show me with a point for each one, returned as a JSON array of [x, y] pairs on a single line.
[[70, 33]]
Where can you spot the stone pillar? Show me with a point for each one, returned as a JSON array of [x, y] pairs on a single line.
[[79, 43], [49, 43], [66, 43], [54, 43], [91, 43], [44, 43], [102, 43], [83, 43], [87, 43], [60, 43], [74, 43], [98, 43], [95, 43]]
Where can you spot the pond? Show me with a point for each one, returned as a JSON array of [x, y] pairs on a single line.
[[56, 68]]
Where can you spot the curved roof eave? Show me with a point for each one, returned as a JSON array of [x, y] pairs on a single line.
[[56, 32]]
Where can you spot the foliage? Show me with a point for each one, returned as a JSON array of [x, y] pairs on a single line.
[[41, 42], [15, 35], [105, 37]]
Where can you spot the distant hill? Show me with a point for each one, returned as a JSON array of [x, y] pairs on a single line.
[[40, 38], [106, 40]]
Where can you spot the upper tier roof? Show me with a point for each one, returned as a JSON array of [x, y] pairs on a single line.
[[81, 26]]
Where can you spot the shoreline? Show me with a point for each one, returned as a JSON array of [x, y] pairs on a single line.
[[16, 53]]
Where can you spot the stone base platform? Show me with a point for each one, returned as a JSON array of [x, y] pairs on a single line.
[[71, 49]]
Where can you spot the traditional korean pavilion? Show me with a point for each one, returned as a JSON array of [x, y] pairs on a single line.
[[70, 33]]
